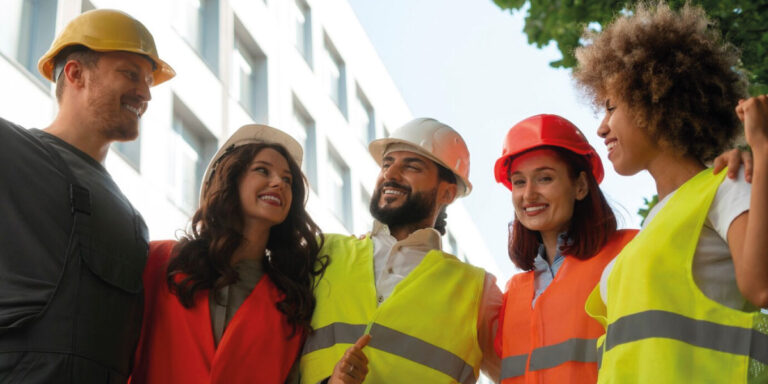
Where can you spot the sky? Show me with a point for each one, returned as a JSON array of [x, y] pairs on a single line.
[[467, 63]]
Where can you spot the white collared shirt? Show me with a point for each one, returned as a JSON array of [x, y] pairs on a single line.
[[393, 260]]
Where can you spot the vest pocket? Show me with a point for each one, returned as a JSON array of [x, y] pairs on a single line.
[[122, 268]]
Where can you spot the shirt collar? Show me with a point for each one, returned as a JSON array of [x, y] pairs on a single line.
[[429, 238], [541, 255]]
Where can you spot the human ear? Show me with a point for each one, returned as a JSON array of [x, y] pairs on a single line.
[[447, 193], [582, 186], [73, 73]]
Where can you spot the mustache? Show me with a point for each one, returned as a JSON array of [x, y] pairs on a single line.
[[394, 184]]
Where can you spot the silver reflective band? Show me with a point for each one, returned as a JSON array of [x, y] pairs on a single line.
[[700, 333], [579, 350], [336, 333], [395, 342], [513, 366]]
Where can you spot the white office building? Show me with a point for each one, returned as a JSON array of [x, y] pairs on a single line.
[[304, 66]]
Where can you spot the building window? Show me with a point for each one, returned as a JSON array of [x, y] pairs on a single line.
[[190, 148], [304, 127], [303, 17], [249, 75], [26, 32], [130, 151], [335, 76], [86, 6], [197, 21], [363, 118], [339, 188]]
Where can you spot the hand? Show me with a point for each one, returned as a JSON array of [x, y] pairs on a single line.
[[353, 366], [753, 112], [733, 159]]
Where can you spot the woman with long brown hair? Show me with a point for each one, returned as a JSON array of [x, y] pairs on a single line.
[[232, 300]]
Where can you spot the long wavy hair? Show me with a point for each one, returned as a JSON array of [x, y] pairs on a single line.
[[202, 258], [591, 225]]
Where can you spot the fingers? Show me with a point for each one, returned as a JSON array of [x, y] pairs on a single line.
[[353, 366], [732, 159], [363, 341], [746, 159], [719, 163]]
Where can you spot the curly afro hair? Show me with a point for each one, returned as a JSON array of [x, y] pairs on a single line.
[[674, 71]]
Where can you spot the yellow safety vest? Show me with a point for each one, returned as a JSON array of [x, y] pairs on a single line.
[[425, 332], [660, 327]]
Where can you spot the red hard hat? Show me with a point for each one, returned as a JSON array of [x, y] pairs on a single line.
[[545, 130]]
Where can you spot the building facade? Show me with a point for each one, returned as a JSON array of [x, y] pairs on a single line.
[[304, 66]]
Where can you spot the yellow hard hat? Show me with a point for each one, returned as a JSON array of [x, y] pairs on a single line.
[[105, 30]]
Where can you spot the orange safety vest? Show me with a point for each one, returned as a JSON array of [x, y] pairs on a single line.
[[176, 344], [555, 341]]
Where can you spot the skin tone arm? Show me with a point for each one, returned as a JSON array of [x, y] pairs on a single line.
[[747, 234], [353, 366]]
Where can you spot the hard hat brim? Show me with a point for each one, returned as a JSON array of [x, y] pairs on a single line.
[[378, 147], [253, 134]]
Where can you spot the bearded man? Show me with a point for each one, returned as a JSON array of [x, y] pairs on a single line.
[[392, 307]]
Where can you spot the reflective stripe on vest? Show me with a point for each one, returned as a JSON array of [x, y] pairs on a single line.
[[580, 350], [701, 333], [417, 336], [661, 328], [394, 342]]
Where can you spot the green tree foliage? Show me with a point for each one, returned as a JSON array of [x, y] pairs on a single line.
[[744, 23], [649, 204]]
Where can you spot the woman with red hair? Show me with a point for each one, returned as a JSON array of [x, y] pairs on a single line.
[[563, 235]]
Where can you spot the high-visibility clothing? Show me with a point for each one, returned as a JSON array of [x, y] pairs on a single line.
[[555, 341], [176, 344], [660, 327], [425, 332]]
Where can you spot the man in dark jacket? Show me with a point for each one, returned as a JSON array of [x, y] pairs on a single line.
[[72, 248]]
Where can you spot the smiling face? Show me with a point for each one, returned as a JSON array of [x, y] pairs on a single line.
[[408, 190], [543, 190], [265, 190], [630, 149], [117, 94]]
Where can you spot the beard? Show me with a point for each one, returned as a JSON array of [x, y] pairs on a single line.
[[417, 207], [105, 106]]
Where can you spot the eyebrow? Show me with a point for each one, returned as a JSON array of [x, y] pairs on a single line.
[[136, 68], [285, 171], [408, 160], [539, 169]]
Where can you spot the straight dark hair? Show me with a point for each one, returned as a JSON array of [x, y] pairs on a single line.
[[592, 223], [202, 258]]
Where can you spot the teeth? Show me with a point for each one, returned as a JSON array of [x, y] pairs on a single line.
[[132, 109], [535, 209], [611, 145], [272, 198], [393, 192]]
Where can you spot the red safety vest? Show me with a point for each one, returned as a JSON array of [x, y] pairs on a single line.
[[555, 341], [176, 344]]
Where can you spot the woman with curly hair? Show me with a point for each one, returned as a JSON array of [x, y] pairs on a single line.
[[232, 301], [681, 301]]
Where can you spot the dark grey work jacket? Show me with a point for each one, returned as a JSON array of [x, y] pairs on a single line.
[[72, 252]]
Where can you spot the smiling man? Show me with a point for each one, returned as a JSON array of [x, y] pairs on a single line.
[[72, 248], [431, 317]]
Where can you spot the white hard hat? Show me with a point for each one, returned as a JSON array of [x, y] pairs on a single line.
[[253, 134], [434, 140]]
